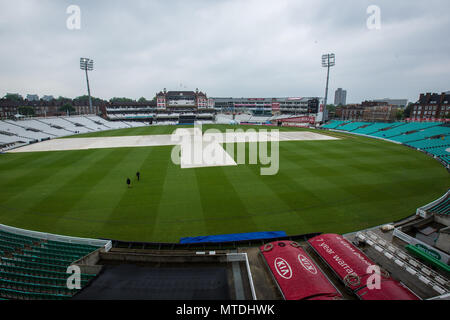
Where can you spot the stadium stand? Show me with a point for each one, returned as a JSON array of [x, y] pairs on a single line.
[[33, 269], [10, 129], [430, 137], [441, 208], [259, 119], [404, 128], [431, 143], [243, 117], [44, 127], [427, 133], [373, 127], [224, 118], [17, 133], [335, 124], [352, 126]]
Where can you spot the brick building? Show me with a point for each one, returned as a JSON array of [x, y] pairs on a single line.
[[431, 106], [381, 113], [42, 108], [367, 111], [350, 112]]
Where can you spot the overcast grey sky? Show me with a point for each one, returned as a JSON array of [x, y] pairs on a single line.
[[239, 48]]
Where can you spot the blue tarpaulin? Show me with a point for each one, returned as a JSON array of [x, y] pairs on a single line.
[[234, 237]]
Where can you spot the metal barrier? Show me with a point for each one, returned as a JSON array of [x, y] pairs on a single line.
[[54, 237]]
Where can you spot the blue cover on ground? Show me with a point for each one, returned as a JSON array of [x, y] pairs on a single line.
[[234, 237]]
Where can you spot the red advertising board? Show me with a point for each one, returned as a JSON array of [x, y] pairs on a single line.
[[389, 290], [303, 119], [351, 266], [297, 276]]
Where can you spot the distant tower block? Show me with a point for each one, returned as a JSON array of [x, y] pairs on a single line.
[[340, 97]]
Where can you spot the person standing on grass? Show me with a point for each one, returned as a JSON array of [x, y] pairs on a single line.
[[128, 182], [138, 175]]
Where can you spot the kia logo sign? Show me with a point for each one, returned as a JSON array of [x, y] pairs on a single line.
[[307, 264], [283, 268]]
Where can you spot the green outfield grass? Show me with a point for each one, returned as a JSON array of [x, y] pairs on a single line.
[[322, 186]]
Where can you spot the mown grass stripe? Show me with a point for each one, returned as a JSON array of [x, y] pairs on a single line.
[[222, 206], [29, 185], [133, 215], [64, 188], [179, 210]]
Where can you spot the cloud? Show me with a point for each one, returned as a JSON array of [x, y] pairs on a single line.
[[225, 47]]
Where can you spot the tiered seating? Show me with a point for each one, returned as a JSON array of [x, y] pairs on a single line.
[[224, 118], [352, 126], [45, 127], [243, 117], [77, 125], [135, 124], [109, 124], [80, 120], [14, 132], [404, 128], [10, 242], [259, 119], [60, 122], [334, 124], [98, 120], [441, 208], [431, 143], [32, 268], [446, 159], [10, 139], [22, 129], [374, 127], [423, 134], [415, 134], [438, 151]]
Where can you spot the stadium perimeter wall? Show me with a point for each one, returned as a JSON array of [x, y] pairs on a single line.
[[106, 244]]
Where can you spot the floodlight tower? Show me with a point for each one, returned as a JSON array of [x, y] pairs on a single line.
[[87, 64], [328, 60]]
